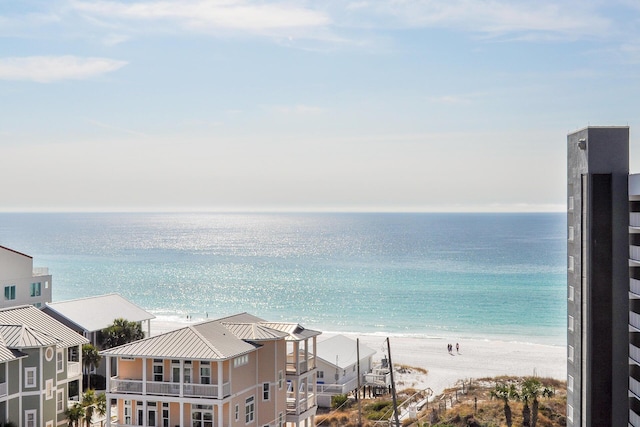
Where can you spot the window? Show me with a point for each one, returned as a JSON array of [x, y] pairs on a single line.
[[249, 409], [570, 293], [570, 383], [571, 323], [570, 356], [320, 374], [60, 401], [59, 361], [127, 412], [570, 413], [30, 418], [571, 234], [202, 416], [10, 292], [571, 263], [237, 412], [165, 414], [158, 370], [570, 203], [29, 377], [265, 391], [280, 380], [49, 389], [36, 289], [241, 360], [205, 373]]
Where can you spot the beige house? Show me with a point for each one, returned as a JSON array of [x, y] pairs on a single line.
[[234, 371]]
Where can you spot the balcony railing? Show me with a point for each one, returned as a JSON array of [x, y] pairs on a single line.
[[634, 419], [634, 219], [302, 367], [634, 353], [209, 391], [634, 286], [634, 252], [3, 389], [73, 369], [304, 404]]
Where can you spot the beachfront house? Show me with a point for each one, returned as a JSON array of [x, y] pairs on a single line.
[[234, 371], [40, 367], [20, 282], [104, 310], [338, 367]]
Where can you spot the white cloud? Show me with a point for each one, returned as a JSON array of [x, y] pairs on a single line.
[[209, 15], [47, 69], [496, 17]]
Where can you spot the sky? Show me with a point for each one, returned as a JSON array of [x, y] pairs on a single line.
[[233, 105]]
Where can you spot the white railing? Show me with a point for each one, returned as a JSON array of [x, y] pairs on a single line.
[[169, 388], [125, 386], [634, 219], [73, 369], [378, 379], [634, 286], [634, 419], [304, 404], [40, 271], [303, 365], [334, 389], [634, 252], [3, 389]]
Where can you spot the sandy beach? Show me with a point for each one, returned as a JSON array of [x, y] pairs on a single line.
[[476, 358]]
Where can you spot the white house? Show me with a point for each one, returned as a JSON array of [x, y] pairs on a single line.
[[20, 282], [338, 367]]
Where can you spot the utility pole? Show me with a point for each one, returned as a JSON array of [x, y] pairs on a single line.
[[358, 389], [393, 386]]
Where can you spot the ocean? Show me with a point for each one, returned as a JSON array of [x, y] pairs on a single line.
[[461, 275]]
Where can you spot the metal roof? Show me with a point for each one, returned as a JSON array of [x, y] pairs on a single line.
[[36, 320], [254, 331], [22, 336], [344, 348], [104, 310], [295, 331], [7, 354], [205, 341]]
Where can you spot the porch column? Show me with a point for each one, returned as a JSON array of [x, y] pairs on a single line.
[[220, 410], [144, 377], [220, 382], [145, 409], [108, 391], [181, 379], [182, 423]]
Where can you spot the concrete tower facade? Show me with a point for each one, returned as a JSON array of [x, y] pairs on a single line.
[[598, 277]]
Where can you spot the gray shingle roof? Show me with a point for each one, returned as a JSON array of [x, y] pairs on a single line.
[[35, 319], [104, 310]]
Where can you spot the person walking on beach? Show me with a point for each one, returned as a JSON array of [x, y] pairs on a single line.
[[457, 348]]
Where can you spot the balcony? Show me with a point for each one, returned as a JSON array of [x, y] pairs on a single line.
[[634, 219], [302, 365], [634, 252], [3, 389], [73, 369], [207, 391], [303, 405]]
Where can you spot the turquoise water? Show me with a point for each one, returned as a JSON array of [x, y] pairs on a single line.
[[428, 275]]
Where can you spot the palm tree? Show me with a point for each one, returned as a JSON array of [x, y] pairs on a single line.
[[90, 359], [74, 414], [533, 388], [505, 393], [121, 332], [101, 405], [89, 400]]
